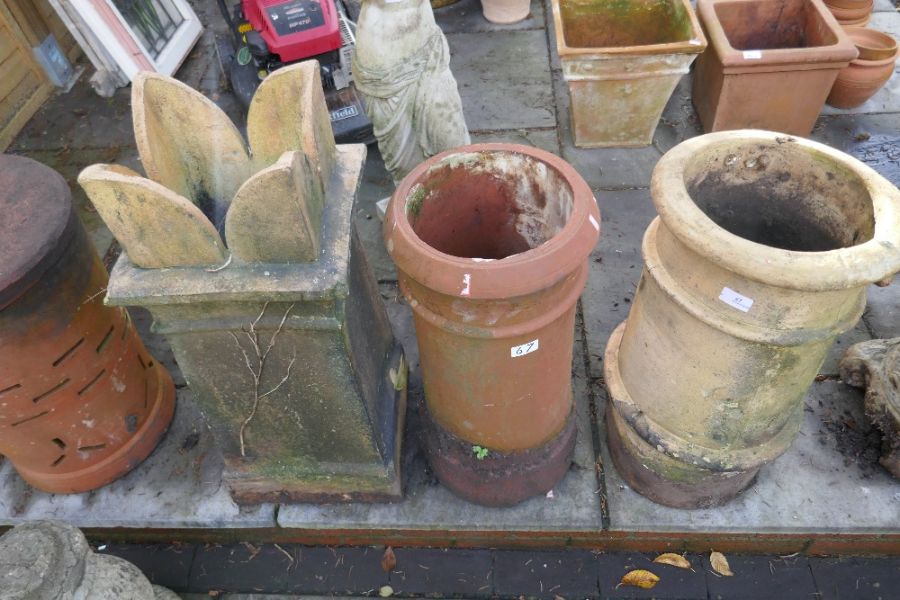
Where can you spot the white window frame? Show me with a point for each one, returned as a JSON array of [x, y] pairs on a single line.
[[169, 59]]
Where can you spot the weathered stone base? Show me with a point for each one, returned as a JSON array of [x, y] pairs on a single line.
[[497, 479], [347, 482]]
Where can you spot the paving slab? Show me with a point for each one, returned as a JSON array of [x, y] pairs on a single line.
[[504, 79], [287, 568], [674, 583], [573, 507], [883, 311], [168, 565], [840, 578], [756, 577], [465, 16], [615, 266], [79, 119], [884, 6], [829, 481], [178, 486], [545, 139], [605, 168], [564, 574], [859, 333], [449, 572], [854, 134]]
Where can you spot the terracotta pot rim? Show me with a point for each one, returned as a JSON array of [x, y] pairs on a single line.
[[863, 63], [695, 45], [871, 40], [512, 276], [841, 52], [867, 262], [849, 4]]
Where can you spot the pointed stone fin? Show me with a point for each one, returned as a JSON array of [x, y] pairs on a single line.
[[288, 112], [156, 227], [276, 216], [187, 143]]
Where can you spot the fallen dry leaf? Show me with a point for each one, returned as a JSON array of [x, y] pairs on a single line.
[[639, 578], [385, 591], [388, 560], [720, 564], [676, 560]]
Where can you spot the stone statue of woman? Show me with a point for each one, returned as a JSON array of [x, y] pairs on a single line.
[[402, 67]]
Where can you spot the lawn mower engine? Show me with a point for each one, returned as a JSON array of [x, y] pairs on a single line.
[[269, 34]]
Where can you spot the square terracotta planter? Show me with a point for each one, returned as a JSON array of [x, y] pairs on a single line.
[[622, 61], [770, 64]]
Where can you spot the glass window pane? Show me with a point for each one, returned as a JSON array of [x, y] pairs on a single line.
[[153, 22]]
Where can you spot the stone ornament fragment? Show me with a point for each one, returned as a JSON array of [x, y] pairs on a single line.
[[401, 65], [197, 163], [759, 259], [282, 335], [52, 560], [875, 366]]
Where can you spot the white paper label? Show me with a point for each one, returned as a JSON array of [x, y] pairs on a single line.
[[752, 54], [735, 300], [523, 349], [467, 284]]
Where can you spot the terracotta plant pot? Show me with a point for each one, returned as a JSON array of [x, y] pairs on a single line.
[[862, 78], [623, 61], [759, 259], [505, 12], [491, 244], [851, 12], [872, 44], [770, 64], [81, 400]]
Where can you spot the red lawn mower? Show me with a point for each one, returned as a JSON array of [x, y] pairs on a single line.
[[269, 34]]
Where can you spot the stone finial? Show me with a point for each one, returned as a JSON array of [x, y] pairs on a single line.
[[875, 366], [288, 112], [401, 65], [159, 227], [198, 164], [277, 214], [187, 143], [49, 560]]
